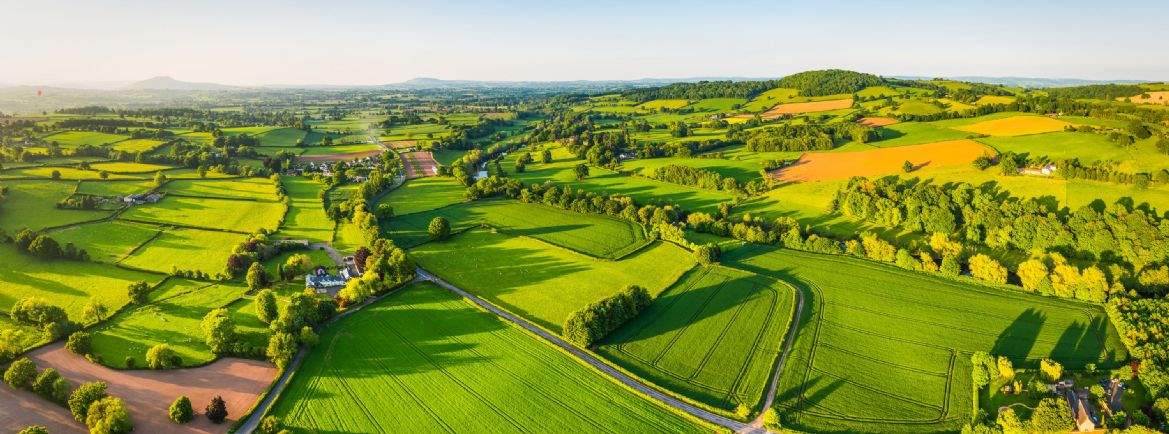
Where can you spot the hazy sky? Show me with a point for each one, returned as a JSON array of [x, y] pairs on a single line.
[[373, 42]]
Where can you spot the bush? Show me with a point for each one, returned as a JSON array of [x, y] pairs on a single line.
[[34, 429], [439, 229], [130, 363], [138, 292], [591, 323], [266, 309], [216, 410], [108, 416], [181, 411], [707, 254], [85, 394], [79, 343], [161, 356], [48, 385], [269, 425], [21, 374], [742, 411], [1052, 370]]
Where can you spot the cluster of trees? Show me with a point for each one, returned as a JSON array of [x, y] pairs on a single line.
[[88, 403], [808, 137], [829, 82], [80, 201], [1142, 325], [602, 149], [385, 268], [466, 136], [703, 90], [685, 148], [404, 118], [1096, 91], [1073, 169], [1122, 241], [700, 178], [593, 322], [38, 313], [45, 247], [257, 248]]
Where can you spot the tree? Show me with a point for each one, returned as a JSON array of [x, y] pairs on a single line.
[[1052, 415], [1033, 274], [546, 155], [216, 410], [281, 348], [219, 330], [1051, 370], [582, 171], [181, 411], [439, 229], [1009, 422], [906, 166], [256, 278], [308, 337], [771, 418], [162, 356], [707, 254], [1006, 368], [21, 374], [79, 343], [138, 292], [48, 385], [83, 396], [159, 179], [298, 264], [94, 311], [980, 375], [742, 411], [266, 308], [108, 416], [45, 247], [34, 429], [985, 268]]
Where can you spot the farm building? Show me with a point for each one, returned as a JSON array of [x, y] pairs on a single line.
[[1083, 413], [139, 199], [325, 283], [1045, 170]]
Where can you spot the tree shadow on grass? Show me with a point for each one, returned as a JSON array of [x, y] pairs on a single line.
[[1017, 339]]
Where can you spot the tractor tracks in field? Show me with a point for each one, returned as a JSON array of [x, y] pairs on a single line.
[[755, 426]]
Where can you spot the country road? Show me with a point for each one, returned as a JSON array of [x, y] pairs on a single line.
[[756, 426]]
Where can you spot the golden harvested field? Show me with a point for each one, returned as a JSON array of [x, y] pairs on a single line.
[[823, 166], [807, 107], [1016, 126], [1158, 97], [401, 144], [878, 121], [994, 99]]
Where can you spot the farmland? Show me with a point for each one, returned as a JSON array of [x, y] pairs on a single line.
[[424, 194], [713, 336], [818, 166], [539, 281], [466, 369], [233, 215], [306, 218], [185, 249], [1016, 126], [913, 379]]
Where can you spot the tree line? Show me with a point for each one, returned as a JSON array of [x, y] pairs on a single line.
[[589, 324]]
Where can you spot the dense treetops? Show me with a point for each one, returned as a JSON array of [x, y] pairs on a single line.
[[829, 82], [704, 89], [1097, 91]]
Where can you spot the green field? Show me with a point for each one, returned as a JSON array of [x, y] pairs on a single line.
[[33, 205], [714, 336], [68, 173], [306, 218], [73, 139], [244, 188], [542, 282], [900, 341], [234, 215], [138, 145], [172, 316], [590, 234], [186, 249], [424, 194], [69, 284], [340, 149], [282, 137], [464, 371], [108, 241]]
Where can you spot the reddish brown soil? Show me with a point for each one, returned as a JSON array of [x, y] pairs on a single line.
[[419, 164], [795, 108], [147, 393], [341, 157], [401, 144], [878, 121]]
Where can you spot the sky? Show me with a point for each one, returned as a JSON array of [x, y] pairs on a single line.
[[355, 42]]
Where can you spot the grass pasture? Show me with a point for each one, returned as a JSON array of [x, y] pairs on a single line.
[[424, 194], [664, 104], [243, 188], [1015, 126], [590, 234], [714, 336], [138, 145], [107, 241], [73, 139], [282, 137], [306, 218], [542, 282], [33, 205], [821, 166], [125, 167], [884, 349], [69, 284], [465, 370], [172, 316], [185, 249], [223, 214]]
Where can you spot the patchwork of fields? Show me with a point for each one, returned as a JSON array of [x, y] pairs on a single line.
[[439, 364]]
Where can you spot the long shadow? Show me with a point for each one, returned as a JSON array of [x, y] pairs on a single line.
[[1017, 339]]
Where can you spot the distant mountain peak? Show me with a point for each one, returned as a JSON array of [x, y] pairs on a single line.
[[163, 82]]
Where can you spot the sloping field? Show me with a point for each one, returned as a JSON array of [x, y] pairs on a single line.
[[713, 336], [107, 241], [994, 99], [125, 167], [542, 282], [306, 218], [881, 349], [664, 103], [234, 215], [67, 173], [1157, 97], [243, 188], [73, 139], [33, 205], [186, 249], [464, 371], [148, 393], [340, 152], [282, 137], [821, 166], [138, 145], [807, 107], [69, 284], [1015, 126], [424, 194], [877, 121], [590, 234]]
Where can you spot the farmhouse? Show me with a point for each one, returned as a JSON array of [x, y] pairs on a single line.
[[1045, 170], [324, 283], [139, 199], [1083, 412]]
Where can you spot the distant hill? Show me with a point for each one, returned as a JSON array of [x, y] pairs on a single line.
[[168, 83], [1030, 82]]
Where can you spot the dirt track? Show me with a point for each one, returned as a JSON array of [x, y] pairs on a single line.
[[147, 393]]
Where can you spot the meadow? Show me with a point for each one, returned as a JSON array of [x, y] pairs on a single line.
[[33, 205], [185, 249], [107, 241], [306, 218], [1016, 126], [246, 216], [541, 282], [713, 337], [73, 139], [590, 234], [137, 145], [125, 167], [884, 349], [244, 188], [466, 370], [424, 194]]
